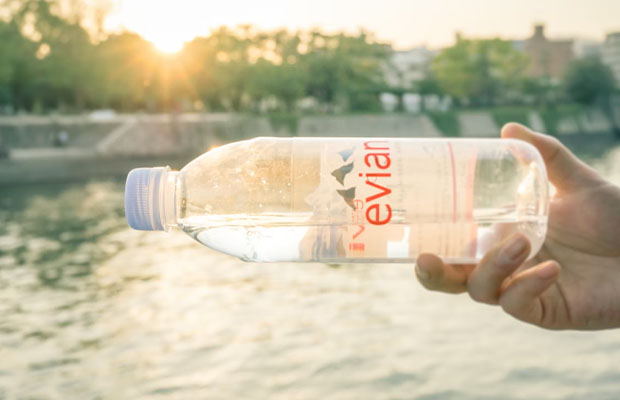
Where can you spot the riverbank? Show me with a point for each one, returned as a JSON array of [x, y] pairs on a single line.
[[166, 134], [77, 148], [28, 168], [78, 169]]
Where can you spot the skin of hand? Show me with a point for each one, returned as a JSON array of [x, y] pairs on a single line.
[[574, 281]]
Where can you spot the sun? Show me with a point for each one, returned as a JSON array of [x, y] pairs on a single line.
[[167, 44], [168, 25]]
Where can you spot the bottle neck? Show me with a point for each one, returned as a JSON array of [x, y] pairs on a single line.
[[168, 191]]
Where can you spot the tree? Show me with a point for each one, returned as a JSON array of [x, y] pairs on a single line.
[[588, 80], [284, 77], [49, 61], [345, 69], [64, 51], [232, 64], [479, 72], [16, 67], [127, 66], [425, 87], [539, 90], [285, 82]]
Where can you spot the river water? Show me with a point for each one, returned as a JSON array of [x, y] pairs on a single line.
[[92, 310]]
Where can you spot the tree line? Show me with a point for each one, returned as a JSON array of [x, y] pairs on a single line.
[[51, 62]]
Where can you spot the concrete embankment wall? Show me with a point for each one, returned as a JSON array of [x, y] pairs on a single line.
[[155, 135], [77, 147]]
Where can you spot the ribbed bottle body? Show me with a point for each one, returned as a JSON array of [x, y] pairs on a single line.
[[363, 199]]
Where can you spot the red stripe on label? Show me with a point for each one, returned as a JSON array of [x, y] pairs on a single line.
[[453, 181], [469, 206]]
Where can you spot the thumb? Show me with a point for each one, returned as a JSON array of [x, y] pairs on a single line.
[[564, 169]]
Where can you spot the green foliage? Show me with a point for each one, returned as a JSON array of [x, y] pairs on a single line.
[[552, 115], [57, 66], [48, 62], [343, 69], [587, 80], [364, 101], [446, 121], [479, 72], [539, 91], [17, 62], [287, 121], [429, 85], [125, 68]]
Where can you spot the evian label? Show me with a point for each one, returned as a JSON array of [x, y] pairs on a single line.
[[358, 183], [390, 199], [370, 196]]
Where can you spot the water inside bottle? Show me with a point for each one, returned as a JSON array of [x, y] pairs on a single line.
[[292, 237]]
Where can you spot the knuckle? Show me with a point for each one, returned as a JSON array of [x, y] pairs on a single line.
[[511, 307], [554, 142], [430, 284], [484, 284], [491, 262], [498, 266], [435, 284], [485, 297]]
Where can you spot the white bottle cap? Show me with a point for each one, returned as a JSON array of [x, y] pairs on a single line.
[[143, 198]]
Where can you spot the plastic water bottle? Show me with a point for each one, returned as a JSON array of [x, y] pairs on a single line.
[[349, 199]]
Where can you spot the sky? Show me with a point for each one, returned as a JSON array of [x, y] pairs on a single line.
[[404, 23]]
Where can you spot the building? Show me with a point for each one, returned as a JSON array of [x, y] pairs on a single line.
[[587, 48], [548, 58], [611, 54], [401, 72], [407, 67]]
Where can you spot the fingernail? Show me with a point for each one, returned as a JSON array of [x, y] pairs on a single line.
[[421, 273], [547, 271], [514, 248]]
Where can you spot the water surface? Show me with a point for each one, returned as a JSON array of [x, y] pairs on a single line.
[[92, 310]]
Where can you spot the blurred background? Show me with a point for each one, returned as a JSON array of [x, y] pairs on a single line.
[[92, 88]]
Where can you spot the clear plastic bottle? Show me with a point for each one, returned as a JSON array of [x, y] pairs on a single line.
[[349, 199]]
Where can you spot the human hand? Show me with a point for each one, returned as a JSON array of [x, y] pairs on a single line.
[[574, 281]]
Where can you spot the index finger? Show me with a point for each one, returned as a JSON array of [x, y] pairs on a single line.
[[564, 169], [436, 275]]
